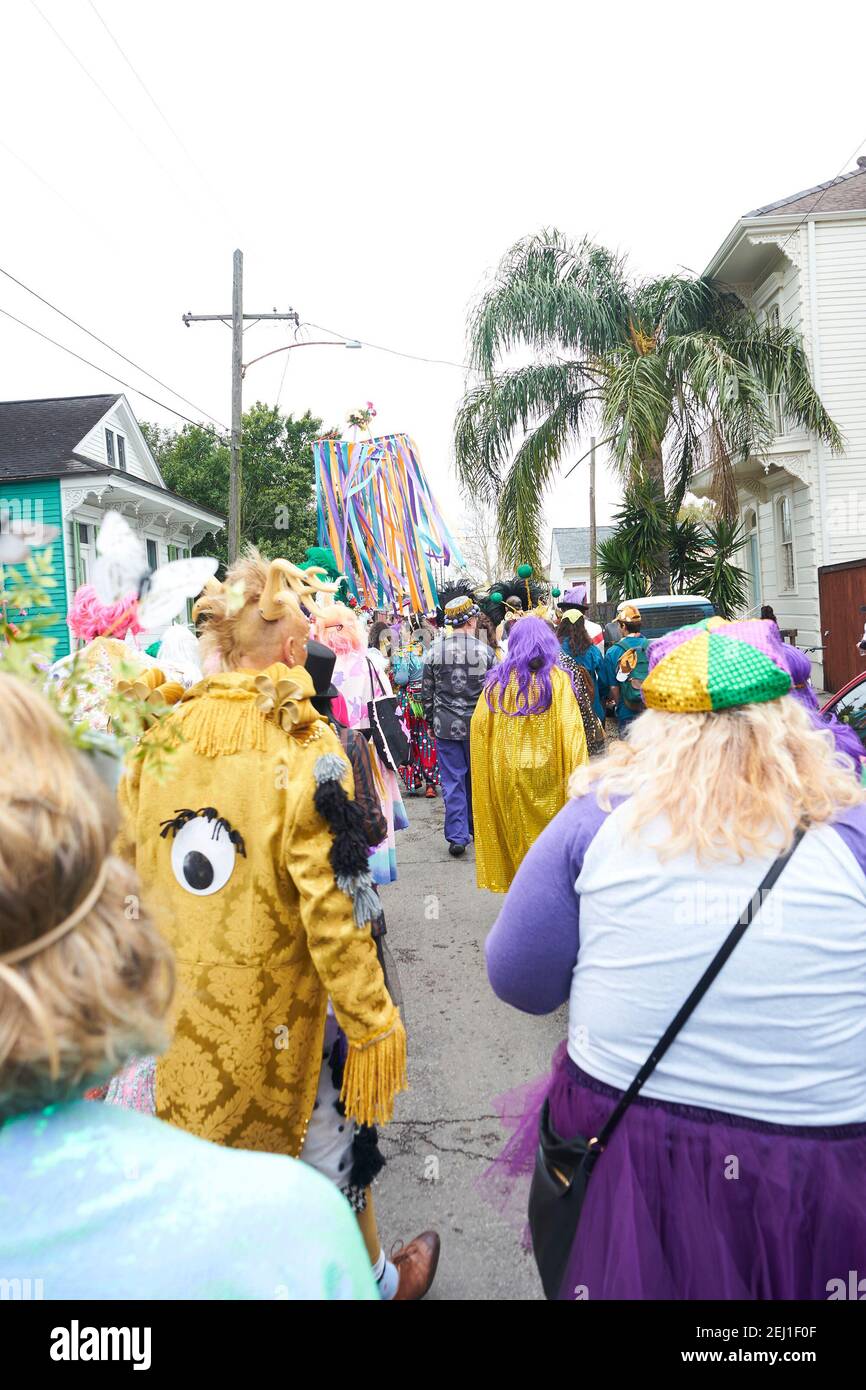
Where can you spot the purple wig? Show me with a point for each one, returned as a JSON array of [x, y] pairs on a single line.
[[532, 653], [799, 668]]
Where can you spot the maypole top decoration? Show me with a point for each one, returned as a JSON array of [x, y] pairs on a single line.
[[377, 513]]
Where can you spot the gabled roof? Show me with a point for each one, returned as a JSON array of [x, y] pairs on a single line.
[[844, 194], [37, 437], [572, 543]]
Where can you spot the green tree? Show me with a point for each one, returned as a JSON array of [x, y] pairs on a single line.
[[700, 551], [277, 480], [673, 372]]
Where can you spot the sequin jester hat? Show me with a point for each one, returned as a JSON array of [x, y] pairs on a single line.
[[714, 665]]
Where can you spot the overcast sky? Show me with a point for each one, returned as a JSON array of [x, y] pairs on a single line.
[[373, 162]]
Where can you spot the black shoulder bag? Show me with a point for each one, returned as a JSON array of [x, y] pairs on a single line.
[[563, 1166], [387, 733]]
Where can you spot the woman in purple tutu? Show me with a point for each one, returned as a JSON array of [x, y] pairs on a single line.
[[799, 668], [739, 1171]]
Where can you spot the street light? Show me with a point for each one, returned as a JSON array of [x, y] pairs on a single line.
[[290, 347]]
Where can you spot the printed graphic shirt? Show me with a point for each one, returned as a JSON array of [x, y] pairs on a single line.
[[454, 671]]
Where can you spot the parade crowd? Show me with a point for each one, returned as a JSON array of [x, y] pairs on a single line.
[[200, 1022]]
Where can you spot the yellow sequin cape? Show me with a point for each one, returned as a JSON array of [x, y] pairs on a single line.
[[258, 960], [520, 770]]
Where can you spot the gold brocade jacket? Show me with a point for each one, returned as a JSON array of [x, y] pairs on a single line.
[[233, 858], [520, 770]]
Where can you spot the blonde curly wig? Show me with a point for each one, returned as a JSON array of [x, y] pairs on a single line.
[[247, 618], [730, 784]]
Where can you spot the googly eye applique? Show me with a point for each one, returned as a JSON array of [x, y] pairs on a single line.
[[205, 849]]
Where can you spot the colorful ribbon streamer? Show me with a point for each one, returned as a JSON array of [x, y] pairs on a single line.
[[375, 510]]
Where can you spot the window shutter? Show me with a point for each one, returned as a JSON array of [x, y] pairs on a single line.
[[76, 554]]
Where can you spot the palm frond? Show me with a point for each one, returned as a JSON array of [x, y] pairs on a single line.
[[718, 383], [547, 292], [686, 542], [674, 304], [723, 484], [684, 455], [723, 582], [521, 504], [494, 414], [636, 406], [778, 360], [620, 571]]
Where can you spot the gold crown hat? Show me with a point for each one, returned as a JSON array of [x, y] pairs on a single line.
[[459, 610]]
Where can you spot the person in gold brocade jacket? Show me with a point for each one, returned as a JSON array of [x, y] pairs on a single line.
[[254, 862]]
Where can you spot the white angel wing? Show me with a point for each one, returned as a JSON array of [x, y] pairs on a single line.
[[121, 563], [169, 587]]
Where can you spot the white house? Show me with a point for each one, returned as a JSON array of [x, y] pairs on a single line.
[[802, 261], [569, 557], [67, 461]]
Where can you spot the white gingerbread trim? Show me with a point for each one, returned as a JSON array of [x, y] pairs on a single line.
[[74, 497], [787, 242], [795, 464]]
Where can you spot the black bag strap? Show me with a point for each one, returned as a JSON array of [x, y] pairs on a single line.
[[731, 941], [374, 671]]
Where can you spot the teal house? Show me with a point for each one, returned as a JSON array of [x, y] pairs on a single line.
[[67, 461]]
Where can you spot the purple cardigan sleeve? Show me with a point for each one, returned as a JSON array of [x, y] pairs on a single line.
[[851, 826], [532, 948]]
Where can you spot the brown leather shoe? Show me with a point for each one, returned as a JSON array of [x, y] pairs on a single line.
[[416, 1265]]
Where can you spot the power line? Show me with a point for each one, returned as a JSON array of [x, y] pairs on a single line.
[[45, 184], [96, 338], [395, 352], [115, 108], [152, 99], [105, 372], [832, 184]]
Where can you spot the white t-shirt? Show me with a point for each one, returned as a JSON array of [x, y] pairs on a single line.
[[649, 930]]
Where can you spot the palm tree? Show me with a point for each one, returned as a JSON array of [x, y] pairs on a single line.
[[673, 372], [701, 551]]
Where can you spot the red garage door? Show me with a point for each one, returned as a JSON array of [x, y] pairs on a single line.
[[842, 595]]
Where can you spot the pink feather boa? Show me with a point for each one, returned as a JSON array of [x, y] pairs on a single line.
[[90, 618]]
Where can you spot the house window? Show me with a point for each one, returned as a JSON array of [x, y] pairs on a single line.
[[121, 453], [753, 553], [773, 320], [85, 536], [152, 554], [109, 447], [180, 552], [785, 545]]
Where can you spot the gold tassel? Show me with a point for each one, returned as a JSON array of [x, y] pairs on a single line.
[[224, 725], [373, 1075]]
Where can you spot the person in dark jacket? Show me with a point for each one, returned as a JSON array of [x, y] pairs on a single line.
[[452, 680]]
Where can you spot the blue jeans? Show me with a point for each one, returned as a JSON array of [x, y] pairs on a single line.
[[456, 789]]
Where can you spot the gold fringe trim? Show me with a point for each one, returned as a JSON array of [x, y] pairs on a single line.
[[375, 1071], [224, 725]]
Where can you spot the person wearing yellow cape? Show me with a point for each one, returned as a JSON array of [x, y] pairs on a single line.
[[253, 858], [527, 737]]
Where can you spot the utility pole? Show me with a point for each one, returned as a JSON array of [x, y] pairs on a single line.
[[593, 563], [237, 405], [237, 318]]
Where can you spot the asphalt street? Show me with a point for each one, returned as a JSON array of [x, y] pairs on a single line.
[[465, 1048]]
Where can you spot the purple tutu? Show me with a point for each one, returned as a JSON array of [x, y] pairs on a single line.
[[689, 1203]]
